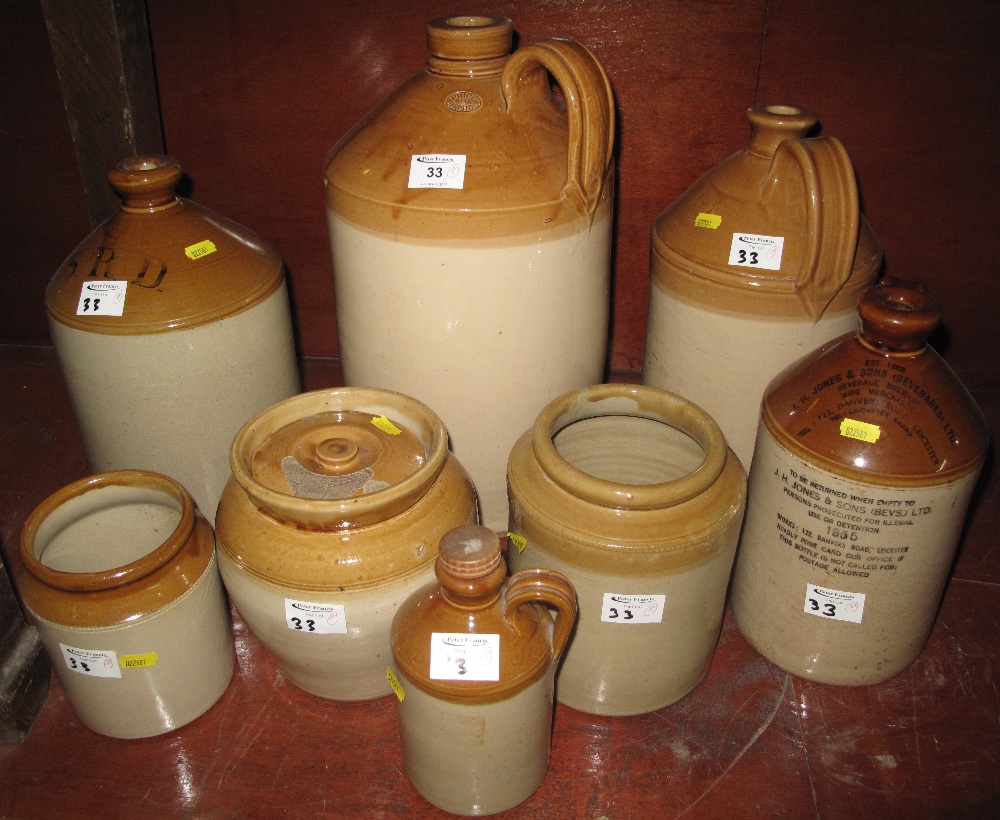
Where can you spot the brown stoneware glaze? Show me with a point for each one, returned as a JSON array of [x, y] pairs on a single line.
[[119, 573], [757, 263], [632, 493], [173, 328], [470, 226], [474, 660], [332, 516], [867, 456]]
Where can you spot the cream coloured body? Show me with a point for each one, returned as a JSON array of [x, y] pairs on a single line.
[[172, 402], [347, 666], [476, 759], [193, 642], [899, 563], [485, 332], [723, 361]]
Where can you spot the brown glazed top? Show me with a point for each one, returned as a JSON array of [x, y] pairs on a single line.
[[122, 594], [341, 487], [472, 598], [185, 265], [880, 406], [783, 184], [533, 163], [626, 529]]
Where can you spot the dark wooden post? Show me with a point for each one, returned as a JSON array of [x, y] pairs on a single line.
[[105, 64]]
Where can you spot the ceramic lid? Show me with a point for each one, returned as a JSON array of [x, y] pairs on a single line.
[[182, 264], [881, 405]]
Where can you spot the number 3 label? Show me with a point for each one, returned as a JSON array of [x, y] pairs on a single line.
[[834, 604]]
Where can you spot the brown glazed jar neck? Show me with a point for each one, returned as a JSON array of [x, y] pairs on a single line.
[[771, 125], [897, 317], [146, 183], [469, 45], [471, 569]]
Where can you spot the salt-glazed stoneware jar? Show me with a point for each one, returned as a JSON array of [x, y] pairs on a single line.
[[120, 576], [632, 493], [867, 456], [332, 518], [757, 263], [470, 225], [474, 657], [172, 327]]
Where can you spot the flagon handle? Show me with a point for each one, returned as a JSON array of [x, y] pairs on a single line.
[[833, 215], [545, 586], [590, 106]]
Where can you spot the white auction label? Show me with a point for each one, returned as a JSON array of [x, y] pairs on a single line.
[[102, 297], [750, 250], [320, 619], [458, 656], [92, 662], [834, 604], [632, 609], [437, 171]]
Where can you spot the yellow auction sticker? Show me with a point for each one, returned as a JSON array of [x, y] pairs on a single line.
[[138, 661], [861, 430], [385, 425], [518, 541], [397, 687], [200, 249], [707, 221]]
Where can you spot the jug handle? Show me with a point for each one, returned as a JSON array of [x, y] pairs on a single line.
[[546, 586], [590, 106], [832, 216]]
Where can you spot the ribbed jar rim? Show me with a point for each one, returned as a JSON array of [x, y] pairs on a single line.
[[636, 401], [358, 511], [81, 498]]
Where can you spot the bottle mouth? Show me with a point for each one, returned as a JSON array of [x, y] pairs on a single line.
[[465, 38], [898, 316], [146, 182]]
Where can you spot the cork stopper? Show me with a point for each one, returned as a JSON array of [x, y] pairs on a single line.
[[469, 566], [898, 317]]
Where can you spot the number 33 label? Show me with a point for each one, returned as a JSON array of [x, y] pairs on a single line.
[[753, 251], [834, 604], [437, 171], [632, 609]]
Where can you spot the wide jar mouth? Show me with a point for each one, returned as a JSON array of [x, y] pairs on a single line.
[[389, 410], [629, 447], [107, 530]]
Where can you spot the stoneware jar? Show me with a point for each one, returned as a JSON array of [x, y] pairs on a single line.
[[470, 226], [757, 263], [120, 576], [867, 455], [632, 493], [474, 659], [172, 327], [331, 519]]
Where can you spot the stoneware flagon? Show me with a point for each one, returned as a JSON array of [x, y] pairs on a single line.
[[632, 493], [868, 452], [757, 263], [470, 226], [474, 657], [331, 519], [120, 576], [172, 327]]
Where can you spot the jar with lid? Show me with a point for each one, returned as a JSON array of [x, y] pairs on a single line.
[[332, 517], [474, 659], [470, 223], [867, 455], [172, 328]]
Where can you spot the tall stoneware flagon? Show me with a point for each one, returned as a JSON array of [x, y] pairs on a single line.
[[756, 264], [331, 519], [470, 227], [632, 494], [474, 658], [867, 455], [172, 327]]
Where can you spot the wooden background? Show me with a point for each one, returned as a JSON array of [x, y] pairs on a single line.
[[253, 94]]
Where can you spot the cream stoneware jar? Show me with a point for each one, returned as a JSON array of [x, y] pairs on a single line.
[[868, 453], [474, 657], [757, 263], [120, 576], [331, 519], [172, 327], [632, 494], [470, 223]]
